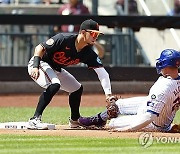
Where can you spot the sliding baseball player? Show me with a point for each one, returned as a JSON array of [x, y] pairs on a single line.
[[154, 112]]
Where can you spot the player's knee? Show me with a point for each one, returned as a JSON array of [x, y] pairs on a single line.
[[80, 89], [78, 92], [56, 86], [53, 88]]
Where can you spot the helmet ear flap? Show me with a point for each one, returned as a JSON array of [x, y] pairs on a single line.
[[159, 66], [178, 63]]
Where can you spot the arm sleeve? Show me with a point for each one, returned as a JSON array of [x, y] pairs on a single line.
[[132, 122], [104, 79]]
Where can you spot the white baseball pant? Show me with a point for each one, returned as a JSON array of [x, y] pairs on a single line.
[[49, 76], [135, 107]]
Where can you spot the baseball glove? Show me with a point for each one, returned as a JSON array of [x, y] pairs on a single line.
[[175, 129], [112, 108]]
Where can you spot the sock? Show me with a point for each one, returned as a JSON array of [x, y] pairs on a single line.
[[74, 103], [45, 98], [100, 118]]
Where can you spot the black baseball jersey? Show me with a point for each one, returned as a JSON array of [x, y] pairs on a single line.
[[60, 51]]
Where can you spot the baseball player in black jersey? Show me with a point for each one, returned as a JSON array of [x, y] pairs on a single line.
[[46, 68]]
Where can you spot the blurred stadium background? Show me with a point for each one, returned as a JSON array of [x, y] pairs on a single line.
[[129, 57]]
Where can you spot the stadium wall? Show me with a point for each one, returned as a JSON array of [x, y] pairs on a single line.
[[124, 79]]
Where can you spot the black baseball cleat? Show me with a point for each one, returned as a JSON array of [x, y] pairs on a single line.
[[93, 122]]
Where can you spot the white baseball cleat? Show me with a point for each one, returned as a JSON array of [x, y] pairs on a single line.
[[36, 124]]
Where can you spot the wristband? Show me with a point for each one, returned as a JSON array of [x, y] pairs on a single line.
[[36, 63]]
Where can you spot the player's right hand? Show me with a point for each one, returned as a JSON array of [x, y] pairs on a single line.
[[35, 73]]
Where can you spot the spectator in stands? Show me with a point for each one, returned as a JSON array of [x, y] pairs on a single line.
[[132, 7], [132, 10], [47, 2], [74, 7], [176, 10]]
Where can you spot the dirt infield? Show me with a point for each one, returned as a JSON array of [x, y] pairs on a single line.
[[64, 130], [60, 100], [94, 100]]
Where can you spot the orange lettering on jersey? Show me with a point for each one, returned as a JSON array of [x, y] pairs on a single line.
[[60, 58]]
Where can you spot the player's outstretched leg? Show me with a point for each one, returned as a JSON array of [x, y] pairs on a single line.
[[92, 122]]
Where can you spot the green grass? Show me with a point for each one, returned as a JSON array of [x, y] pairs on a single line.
[[80, 145], [56, 115], [76, 145]]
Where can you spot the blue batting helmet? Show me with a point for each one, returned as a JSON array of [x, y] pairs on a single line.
[[168, 57]]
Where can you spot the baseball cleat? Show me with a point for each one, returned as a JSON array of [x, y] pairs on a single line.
[[94, 122], [36, 124], [74, 124]]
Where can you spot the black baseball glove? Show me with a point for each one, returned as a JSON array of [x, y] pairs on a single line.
[[112, 108]]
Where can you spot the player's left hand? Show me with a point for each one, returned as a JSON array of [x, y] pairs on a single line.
[[112, 108]]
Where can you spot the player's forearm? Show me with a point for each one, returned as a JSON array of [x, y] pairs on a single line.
[[39, 51], [104, 79], [142, 121], [132, 123]]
